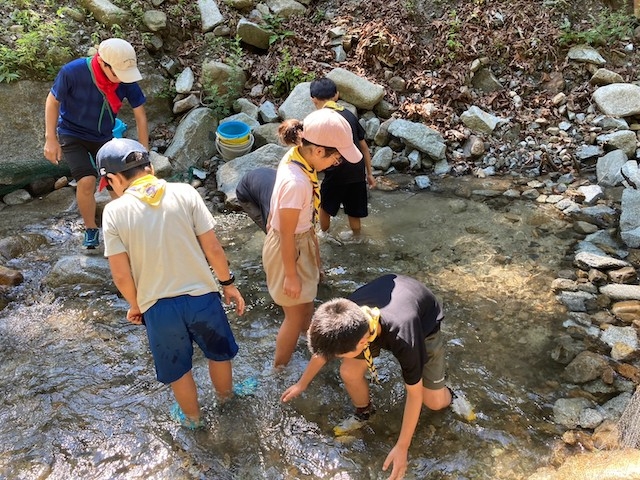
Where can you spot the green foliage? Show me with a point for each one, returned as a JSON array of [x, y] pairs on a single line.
[[453, 40], [275, 25], [41, 44], [607, 27], [288, 76], [220, 100]]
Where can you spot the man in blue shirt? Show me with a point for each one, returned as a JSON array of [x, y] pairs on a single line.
[[80, 113]]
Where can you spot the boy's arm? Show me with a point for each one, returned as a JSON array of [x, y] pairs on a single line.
[[142, 126], [398, 454], [366, 154], [52, 149], [313, 367], [121, 273], [220, 266]]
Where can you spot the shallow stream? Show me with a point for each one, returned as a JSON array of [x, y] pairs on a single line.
[[79, 397]]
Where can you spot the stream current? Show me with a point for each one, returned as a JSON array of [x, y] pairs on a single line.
[[79, 398]]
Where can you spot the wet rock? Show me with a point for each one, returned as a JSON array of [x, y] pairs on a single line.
[[625, 335], [586, 260], [80, 270], [566, 411], [584, 367], [627, 311], [623, 275], [9, 276], [17, 245]]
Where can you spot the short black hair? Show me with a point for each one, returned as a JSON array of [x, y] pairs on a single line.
[[336, 328], [323, 89], [134, 157]]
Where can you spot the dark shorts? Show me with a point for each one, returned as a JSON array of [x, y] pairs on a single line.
[[173, 324], [433, 372], [80, 156], [353, 196]]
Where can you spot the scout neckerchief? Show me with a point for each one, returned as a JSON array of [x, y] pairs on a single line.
[[312, 175], [149, 189], [333, 106], [373, 316], [106, 86]]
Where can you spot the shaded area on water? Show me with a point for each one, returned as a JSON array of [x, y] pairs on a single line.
[[80, 399]]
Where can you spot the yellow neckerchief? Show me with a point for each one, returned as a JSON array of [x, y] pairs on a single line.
[[333, 105], [149, 189], [373, 316], [312, 175]]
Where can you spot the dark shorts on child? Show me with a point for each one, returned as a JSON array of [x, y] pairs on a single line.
[[80, 156], [173, 324], [353, 196], [433, 372]]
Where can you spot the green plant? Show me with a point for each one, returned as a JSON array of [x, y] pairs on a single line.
[[607, 27], [275, 25], [220, 100], [453, 42], [39, 48], [288, 76]]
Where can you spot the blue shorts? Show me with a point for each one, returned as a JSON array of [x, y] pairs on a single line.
[[173, 324]]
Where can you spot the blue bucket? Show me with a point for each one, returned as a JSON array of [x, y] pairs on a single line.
[[119, 128], [233, 130]]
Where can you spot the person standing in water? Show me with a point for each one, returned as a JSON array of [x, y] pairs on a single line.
[[290, 253]]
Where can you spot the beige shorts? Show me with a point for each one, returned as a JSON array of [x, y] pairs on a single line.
[[306, 265]]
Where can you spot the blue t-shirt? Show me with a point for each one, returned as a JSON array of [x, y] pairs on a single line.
[[84, 110]]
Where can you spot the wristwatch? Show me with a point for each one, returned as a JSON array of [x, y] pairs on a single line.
[[226, 283]]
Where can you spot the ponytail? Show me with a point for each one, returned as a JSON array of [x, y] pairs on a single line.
[[289, 132]]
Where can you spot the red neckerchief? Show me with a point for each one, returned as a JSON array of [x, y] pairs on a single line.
[[105, 85]]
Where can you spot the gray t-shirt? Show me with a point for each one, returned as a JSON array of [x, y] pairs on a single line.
[[164, 253]]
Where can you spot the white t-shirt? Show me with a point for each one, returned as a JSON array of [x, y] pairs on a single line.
[[164, 253]]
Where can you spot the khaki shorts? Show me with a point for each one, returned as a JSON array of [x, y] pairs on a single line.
[[433, 374], [306, 265]]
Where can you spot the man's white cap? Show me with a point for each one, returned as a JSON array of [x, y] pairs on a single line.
[[121, 56]]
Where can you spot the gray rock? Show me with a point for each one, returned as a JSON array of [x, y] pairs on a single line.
[[567, 411], [298, 104], [210, 15], [253, 34], [630, 217], [618, 99], [480, 121], [608, 168], [193, 142], [80, 270], [585, 260], [230, 173], [184, 82], [268, 112], [624, 140], [355, 89], [585, 54], [382, 158], [618, 291], [419, 136]]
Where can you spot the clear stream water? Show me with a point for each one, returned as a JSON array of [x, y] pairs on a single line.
[[79, 399]]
